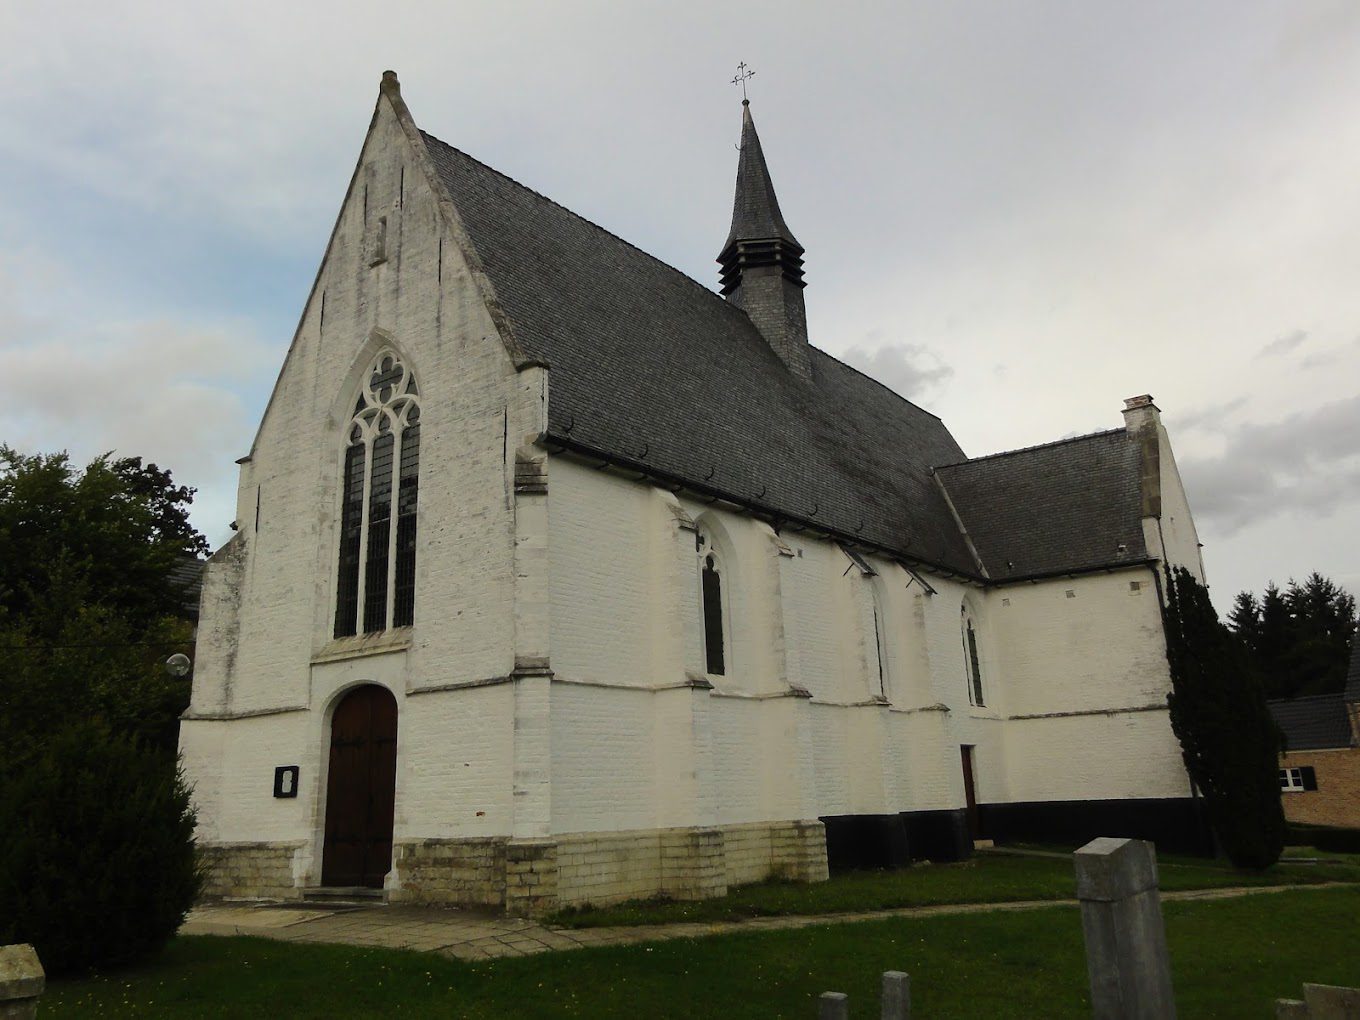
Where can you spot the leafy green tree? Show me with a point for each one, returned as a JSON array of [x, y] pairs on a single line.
[[1228, 739], [97, 863], [89, 608]]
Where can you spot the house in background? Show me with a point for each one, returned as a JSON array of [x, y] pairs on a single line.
[[1320, 766], [561, 577]]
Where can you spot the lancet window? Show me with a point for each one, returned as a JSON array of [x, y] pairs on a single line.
[[971, 664], [376, 582], [711, 595]]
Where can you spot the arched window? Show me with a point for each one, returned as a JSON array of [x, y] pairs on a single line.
[[711, 594], [376, 583], [972, 666]]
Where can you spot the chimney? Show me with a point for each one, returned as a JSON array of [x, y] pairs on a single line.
[[1140, 412], [1143, 421]]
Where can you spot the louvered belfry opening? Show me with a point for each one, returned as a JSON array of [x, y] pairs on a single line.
[[375, 580]]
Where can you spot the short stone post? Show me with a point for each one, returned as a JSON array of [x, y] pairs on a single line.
[[1321, 1002], [833, 1006], [21, 982], [1121, 919], [896, 998]]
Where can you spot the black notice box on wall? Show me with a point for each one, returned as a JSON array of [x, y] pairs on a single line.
[[285, 781]]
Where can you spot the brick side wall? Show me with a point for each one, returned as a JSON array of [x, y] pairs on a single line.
[[1336, 801]]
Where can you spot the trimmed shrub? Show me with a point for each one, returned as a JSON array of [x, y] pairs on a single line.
[[1325, 837], [97, 861], [1229, 741]]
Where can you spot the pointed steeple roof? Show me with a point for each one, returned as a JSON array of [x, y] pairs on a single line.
[[755, 210]]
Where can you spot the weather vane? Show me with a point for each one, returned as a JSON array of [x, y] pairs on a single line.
[[743, 73]]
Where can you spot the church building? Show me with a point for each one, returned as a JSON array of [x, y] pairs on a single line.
[[559, 577]]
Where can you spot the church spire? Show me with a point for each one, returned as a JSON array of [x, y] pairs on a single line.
[[762, 262]]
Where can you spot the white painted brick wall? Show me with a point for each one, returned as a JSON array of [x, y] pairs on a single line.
[[455, 757]]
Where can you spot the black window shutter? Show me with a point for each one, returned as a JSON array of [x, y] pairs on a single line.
[[1309, 777]]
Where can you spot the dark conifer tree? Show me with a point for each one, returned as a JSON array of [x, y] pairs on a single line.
[[1228, 739]]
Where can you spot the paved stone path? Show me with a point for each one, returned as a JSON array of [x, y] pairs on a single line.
[[472, 935]]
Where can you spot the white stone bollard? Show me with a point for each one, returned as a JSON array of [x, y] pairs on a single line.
[[833, 1006], [895, 1003], [21, 982], [1121, 919]]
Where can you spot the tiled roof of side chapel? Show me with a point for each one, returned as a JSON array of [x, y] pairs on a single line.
[[651, 369]]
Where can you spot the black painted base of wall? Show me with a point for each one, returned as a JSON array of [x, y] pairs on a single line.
[[938, 835], [853, 842], [865, 841], [1175, 824], [894, 841]]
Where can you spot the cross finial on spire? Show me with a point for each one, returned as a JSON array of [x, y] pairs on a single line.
[[743, 73]]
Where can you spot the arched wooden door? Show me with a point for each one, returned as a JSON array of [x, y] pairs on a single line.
[[361, 789]]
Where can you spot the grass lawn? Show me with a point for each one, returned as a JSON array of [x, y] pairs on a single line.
[[1231, 958], [987, 878]]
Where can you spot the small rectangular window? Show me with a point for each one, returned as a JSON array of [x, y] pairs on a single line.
[[1298, 780]]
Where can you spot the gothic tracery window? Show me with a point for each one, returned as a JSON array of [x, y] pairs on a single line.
[[376, 580]]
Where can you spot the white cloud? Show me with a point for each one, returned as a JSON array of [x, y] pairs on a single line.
[[167, 390]]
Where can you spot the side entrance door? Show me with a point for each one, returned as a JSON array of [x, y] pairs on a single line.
[[361, 789], [969, 790]]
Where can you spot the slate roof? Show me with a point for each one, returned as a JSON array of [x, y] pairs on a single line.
[[1052, 508], [1318, 721], [186, 578], [650, 368]]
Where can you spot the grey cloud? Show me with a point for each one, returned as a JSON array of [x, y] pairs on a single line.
[[1320, 359], [1284, 344], [910, 369], [1213, 418], [1306, 463]]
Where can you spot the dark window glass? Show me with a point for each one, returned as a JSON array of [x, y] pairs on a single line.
[[878, 653], [351, 528], [713, 619], [385, 379], [404, 598], [379, 530], [975, 670]]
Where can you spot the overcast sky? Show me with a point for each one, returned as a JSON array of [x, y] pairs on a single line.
[[1017, 214]]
